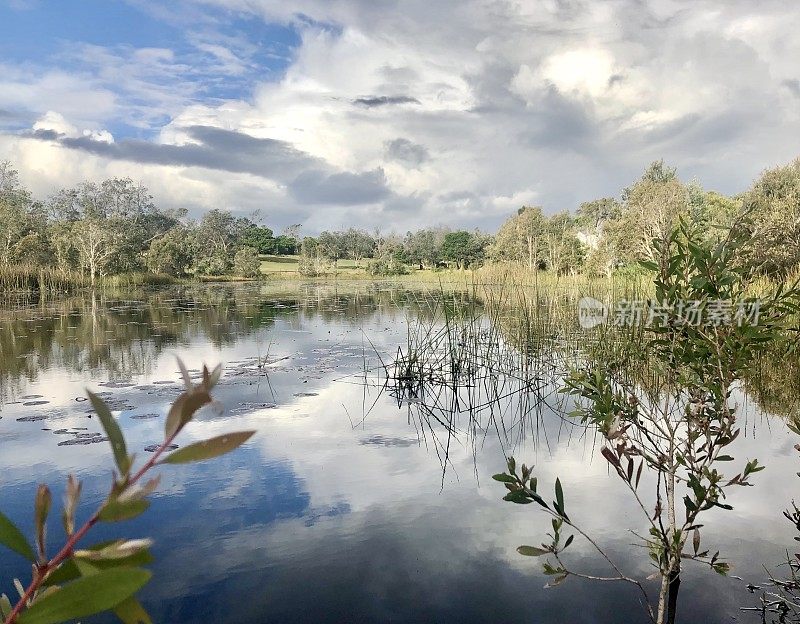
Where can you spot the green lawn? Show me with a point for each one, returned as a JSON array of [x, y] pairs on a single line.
[[279, 264], [288, 264]]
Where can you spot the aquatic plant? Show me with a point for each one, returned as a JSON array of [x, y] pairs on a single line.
[[79, 581], [676, 420]]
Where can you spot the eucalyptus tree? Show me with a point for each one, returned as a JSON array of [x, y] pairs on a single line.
[[773, 202], [521, 238], [650, 210], [15, 207]]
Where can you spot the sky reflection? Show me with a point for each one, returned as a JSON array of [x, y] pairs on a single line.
[[336, 510]]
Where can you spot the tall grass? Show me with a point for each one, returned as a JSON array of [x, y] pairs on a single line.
[[22, 278], [47, 280]]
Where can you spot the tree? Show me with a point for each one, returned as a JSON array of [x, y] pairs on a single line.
[[170, 253], [331, 246], [424, 247], [662, 401], [772, 210], [95, 243], [246, 262], [357, 244], [520, 238], [563, 252], [650, 211], [464, 248], [259, 238], [216, 239], [15, 201], [286, 245]]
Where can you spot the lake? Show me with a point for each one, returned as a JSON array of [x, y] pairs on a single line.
[[353, 502]]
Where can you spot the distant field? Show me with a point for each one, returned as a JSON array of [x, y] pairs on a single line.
[[288, 264], [279, 264]]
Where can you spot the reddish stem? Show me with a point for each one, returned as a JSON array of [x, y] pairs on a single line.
[[45, 569]]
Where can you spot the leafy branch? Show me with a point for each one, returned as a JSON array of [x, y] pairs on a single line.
[[78, 582]]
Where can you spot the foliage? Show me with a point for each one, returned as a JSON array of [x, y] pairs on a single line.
[[170, 253], [386, 267], [678, 420], [259, 238], [520, 238], [464, 248], [79, 582], [246, 262], [773, 208]]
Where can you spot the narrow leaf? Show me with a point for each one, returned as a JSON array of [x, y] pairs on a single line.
[[556, 581], [115, 510], [208, 448], [187, 381], [559, 496], [184, 408], [42, 509], [504, 478], [113, 432], [86, 596], [532, 551], [5, 606]]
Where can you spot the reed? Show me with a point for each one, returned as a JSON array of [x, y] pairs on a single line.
[[23, 278]]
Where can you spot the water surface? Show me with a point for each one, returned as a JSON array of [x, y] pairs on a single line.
[[343, 507]]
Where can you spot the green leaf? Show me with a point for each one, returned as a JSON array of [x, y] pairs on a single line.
[[504, 478], [532, 551], [131, 612], [5, 606], [556, 581], [11, 537], [559, 496], [113, 432], [207, 449], [517, 496], [86, 596], [115, 510], [184, 408]]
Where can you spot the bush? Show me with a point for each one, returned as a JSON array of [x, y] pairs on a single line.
[[216, 264], [169, 254], [314, 266], [381, 266], [246, 262]]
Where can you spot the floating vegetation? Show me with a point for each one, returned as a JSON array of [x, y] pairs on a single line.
[[152, 448]]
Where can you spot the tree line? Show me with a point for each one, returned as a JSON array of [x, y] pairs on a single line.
[[114, 227]]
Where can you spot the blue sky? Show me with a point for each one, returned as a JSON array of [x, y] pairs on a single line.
[[395, 114], [216, 54]]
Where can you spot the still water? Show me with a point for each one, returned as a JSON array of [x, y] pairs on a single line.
[[347, 505]]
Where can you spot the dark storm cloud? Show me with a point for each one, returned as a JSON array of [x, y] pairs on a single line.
[[224, 150], [406, 151], [308, 179], [384, 100], [319, 187]]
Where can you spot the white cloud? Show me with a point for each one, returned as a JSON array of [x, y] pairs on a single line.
[[509, 103]]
